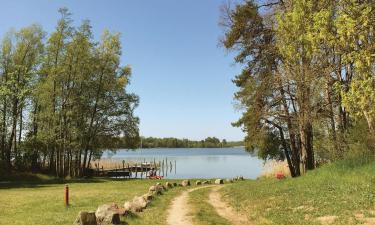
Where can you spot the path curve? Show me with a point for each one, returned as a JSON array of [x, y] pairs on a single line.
[[224, 210], [179, 210]]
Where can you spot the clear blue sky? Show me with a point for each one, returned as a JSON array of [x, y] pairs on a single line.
[[181, 75]]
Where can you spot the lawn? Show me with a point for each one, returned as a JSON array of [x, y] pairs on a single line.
[[40, 201], [203, 213], [340, 193], [337, 193]]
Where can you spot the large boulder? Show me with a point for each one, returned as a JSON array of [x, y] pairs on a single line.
[[219, 181], [148, 196], [152, 188], [128, 206], [185, 183], [137, 205], [85, 218], [160, 188], [229, 180], [157, 189], [108, 214], [198, 182]]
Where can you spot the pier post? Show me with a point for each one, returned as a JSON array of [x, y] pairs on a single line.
[[136, 170], [66, 195]]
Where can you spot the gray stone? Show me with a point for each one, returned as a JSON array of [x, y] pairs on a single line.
[[185, 183], [156, 189], [108, 214], [148, 196], [159, 189], [219, 181], [168, 185], [239, 178], [152, 189], [137, 205], [85, 218]]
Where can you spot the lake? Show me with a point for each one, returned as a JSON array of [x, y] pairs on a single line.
[[197, 162]]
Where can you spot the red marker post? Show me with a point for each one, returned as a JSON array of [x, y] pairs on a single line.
[[66, 195]]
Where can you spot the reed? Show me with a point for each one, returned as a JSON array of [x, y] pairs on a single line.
[[273, 167]]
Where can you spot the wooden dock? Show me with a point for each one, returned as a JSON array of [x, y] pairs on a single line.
[[134, 170]]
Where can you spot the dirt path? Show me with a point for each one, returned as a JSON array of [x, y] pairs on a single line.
[[224, 210], [179, 211]]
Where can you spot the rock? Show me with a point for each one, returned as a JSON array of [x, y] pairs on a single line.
[[198, 182], [107, 214], [168, 185], [239, 178], [155, 190], [122, 211], [128, 206], [152, 189], [175, 184], [219, 181], [85, 218], [148, 196], [185, 183], [229, 180], [159, 189], [205, 182], [138, 204]]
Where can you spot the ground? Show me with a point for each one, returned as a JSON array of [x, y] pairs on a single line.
[[42, 202], [339, 193]]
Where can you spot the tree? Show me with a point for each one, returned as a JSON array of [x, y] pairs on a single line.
[[63, 101], [306, 65]]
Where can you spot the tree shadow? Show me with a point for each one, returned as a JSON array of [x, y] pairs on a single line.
[[39, 181]]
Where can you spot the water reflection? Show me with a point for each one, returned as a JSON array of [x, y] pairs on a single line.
[[196, 163]]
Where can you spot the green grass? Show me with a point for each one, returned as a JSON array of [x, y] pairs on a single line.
[[40, 200], [203, 213], [343, 189]]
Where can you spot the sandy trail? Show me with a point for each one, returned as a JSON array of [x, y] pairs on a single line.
[[179, 211], [224, 210]]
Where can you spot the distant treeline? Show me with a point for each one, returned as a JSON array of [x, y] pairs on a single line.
[[209, 142]]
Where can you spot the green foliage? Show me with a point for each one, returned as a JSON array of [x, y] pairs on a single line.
[[63, 100], [308, 76]]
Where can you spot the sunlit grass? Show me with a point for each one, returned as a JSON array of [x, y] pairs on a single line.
[[343, 189], [38, 203]]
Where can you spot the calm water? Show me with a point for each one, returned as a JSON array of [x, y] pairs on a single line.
[[197, 162]]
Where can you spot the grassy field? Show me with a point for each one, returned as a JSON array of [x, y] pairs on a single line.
[[339, 193], [40, 200]]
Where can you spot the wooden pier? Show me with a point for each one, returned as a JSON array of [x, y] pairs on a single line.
[[135, 170]]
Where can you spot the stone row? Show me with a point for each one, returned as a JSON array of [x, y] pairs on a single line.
[[109, 214]]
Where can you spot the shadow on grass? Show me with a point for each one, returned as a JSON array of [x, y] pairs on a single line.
[[38, 180]]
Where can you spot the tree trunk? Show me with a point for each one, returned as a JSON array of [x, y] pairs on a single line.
[[308, 161]]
